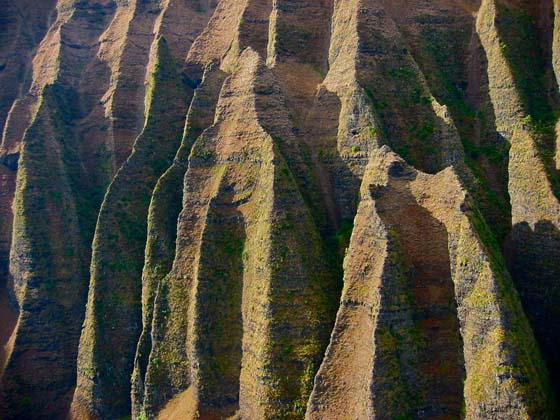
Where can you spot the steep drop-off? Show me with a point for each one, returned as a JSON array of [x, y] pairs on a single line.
[[279, 209]]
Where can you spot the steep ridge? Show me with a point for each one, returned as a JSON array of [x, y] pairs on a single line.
[[22, 27], [162, 222], [118, 116], [535, 206], [119, 244], [48, 270], [203, 53], [47, 273], [435, 383], [303, 288], [196, 180], [228, 166], [397, 311]]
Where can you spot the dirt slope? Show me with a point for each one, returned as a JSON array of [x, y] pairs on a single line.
[[279, 209]]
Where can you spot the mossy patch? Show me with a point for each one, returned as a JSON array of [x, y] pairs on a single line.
[[519, 35], [121, 234]]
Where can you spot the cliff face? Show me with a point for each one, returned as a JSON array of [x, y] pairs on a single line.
[[258, 209]]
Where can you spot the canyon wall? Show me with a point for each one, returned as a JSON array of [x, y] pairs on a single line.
[[279, 209]]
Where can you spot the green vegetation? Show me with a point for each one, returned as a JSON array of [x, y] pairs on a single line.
[[339, 241], [525, 363], [406, 120], [305, 287], [118, 249], [519, 36], [446, 74], [204, 154]]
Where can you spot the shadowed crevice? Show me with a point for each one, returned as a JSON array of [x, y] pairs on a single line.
[[432, 367], [217, 296], [534, 261]]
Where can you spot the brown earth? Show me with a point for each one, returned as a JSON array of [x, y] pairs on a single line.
[[258, 209]]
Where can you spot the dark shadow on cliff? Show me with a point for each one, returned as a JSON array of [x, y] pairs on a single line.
[[451, 57], [217, 309], [8, 308], [533, 257], [434, 366], [530, 67]]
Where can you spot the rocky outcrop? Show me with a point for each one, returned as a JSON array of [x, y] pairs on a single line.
[[48, 264], [238, 194], [279, 209], [427, 306], [162, 227], [522, 116], [114, 313]]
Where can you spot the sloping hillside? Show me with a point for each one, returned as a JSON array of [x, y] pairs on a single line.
[[279, 209]]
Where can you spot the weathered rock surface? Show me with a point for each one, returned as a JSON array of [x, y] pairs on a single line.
[[279, 209], [427, 309]]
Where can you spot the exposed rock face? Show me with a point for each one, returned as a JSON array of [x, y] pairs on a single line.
[[427, 307], [279, 209]]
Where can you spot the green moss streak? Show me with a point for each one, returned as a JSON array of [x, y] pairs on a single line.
[[520, 45], [446, 74], [520, 345]]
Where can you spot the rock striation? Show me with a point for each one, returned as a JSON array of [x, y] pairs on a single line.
[[279, 209]]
